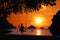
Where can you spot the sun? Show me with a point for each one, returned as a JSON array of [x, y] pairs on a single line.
[[38, 20]]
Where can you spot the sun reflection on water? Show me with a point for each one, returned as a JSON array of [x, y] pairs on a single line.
[[38, 32]]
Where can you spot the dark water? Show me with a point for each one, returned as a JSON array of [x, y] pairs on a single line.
[[39, 32]]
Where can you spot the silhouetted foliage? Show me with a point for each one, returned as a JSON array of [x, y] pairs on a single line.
[[34, 4], [18, 5], [55, 26], [4, 24], [31, 27], [41, 27]]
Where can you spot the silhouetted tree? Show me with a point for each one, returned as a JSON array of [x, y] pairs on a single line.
[[41, 27], [35, 4], [55, 26], [31, 27]]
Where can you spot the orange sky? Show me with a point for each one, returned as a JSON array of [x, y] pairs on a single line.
[[28, 19]]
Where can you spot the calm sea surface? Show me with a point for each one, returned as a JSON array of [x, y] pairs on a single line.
[[39, 32]]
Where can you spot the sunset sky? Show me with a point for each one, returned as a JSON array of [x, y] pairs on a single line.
[[45, 14]]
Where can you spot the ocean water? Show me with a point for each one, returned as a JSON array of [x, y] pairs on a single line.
[[37, 32]]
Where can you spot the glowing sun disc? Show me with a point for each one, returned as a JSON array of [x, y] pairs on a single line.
[[38, 20]]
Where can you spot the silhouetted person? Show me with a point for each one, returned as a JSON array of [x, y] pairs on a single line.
[[21, 28], [55, 26]]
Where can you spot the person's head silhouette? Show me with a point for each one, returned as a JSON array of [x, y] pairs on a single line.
[[21, 24]]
